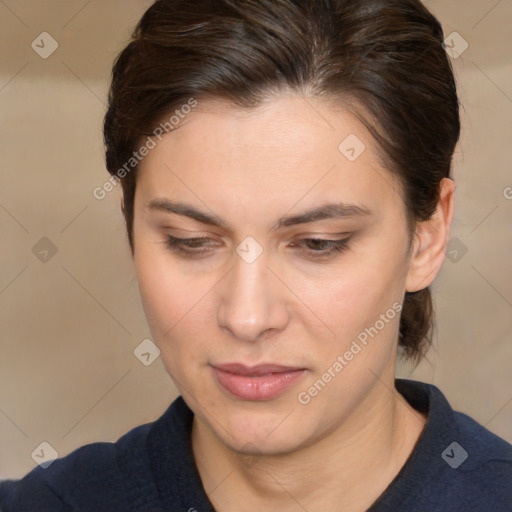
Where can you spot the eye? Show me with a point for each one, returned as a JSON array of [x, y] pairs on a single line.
[[200, 246], [321, 248], [190, 246]]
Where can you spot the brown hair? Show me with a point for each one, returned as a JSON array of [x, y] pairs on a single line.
[[383, 60]]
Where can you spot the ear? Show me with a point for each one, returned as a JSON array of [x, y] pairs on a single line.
[[122, 206], [430, 240]]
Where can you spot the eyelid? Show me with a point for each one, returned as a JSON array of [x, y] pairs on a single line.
[[335, 246], [179, 246]]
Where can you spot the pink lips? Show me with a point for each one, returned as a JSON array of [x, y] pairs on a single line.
[[262, 382]]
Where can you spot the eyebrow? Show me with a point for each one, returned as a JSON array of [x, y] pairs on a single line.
[[322, 212]]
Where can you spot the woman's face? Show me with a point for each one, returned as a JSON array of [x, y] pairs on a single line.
[[278, 318]]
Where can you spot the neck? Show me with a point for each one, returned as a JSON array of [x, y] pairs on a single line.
[[355, 462]]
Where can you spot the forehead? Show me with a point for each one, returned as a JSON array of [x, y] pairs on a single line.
[[280, 124], [288, 149]]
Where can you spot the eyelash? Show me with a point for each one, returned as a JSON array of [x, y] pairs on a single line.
[[182, 246]]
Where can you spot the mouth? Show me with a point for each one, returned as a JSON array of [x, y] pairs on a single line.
[[256, 383]]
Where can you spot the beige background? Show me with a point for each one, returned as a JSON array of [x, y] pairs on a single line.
[[68, 375]]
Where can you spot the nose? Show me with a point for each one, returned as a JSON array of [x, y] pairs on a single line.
[[253, 303]]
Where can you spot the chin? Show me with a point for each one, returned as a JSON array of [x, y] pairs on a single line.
[[251, 445], [261, 432]]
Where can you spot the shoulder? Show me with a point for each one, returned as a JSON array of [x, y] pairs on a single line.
[[485, 459], [477, 469], [457, 463], [474, 446], [97, 476]]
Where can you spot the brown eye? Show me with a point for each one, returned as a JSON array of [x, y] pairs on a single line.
[[190, 246], [320, 247]]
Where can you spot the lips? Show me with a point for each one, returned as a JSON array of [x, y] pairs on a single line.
[[261, 382]]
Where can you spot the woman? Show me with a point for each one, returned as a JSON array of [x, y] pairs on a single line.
[[285, 167]]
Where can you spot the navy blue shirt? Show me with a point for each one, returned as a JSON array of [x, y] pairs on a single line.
[[456, 465]]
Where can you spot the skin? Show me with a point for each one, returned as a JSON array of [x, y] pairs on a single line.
[[250, 168]]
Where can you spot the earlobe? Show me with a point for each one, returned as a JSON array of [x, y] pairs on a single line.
[[430, 240]]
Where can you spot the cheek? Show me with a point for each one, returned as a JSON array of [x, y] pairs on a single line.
[[351, 296], [374, 274], [165, 294], [158, 289], [176, 306]]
